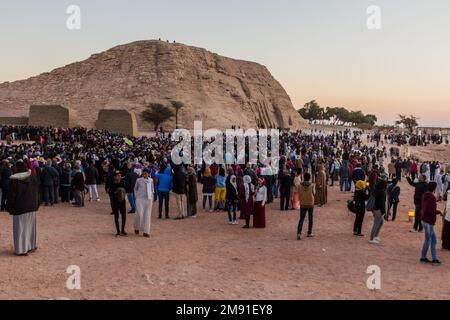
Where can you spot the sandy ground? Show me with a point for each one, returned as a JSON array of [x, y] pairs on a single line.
[[205, 258]]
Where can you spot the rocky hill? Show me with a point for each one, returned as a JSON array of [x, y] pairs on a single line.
[[218, 90]]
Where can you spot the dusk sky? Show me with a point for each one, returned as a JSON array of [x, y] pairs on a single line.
[[317, 49]]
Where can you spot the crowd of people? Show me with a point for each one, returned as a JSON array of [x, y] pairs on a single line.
[[51, 166]]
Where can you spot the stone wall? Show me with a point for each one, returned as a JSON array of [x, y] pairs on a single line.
[[118, 121], [53, 115], [17, 121]]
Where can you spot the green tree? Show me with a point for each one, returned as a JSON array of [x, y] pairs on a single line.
[[408, 122], [312, 111], [156, 114], [177, 105]]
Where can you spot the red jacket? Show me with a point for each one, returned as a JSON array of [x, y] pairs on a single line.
[[429, 206]]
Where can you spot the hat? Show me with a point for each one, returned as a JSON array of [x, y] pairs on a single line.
[[360, 185]]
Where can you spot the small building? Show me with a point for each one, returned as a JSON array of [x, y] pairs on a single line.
[[52, 116], [118, 121]]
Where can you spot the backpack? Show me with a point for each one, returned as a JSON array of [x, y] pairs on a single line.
[[120, 194]]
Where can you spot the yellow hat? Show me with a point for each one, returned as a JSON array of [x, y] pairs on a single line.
[[360, 185]]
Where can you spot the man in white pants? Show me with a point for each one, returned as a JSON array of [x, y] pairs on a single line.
[[143, 191]]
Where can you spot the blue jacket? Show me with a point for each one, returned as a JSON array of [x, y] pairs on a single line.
[[165, 180]]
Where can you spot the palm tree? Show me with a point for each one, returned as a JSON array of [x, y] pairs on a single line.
[[156, 114], [177, 105]]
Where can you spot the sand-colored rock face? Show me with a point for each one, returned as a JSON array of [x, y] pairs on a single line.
[[219, 91], [52, 116], [120, 121]]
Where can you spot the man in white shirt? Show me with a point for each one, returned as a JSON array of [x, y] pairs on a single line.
[[143, 191]]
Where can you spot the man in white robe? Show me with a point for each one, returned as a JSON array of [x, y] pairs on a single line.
[[143, 191]]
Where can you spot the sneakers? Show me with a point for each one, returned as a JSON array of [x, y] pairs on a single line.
[[230, 222], [425, 260], [377, 239], [413, 231], [235, 222], [311, 235], [299, 237], [436, 262], [374, 241]]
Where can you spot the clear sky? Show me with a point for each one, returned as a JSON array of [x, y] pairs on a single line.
[[317, 49]]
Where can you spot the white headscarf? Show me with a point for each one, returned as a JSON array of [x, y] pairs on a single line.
[[248, 187]]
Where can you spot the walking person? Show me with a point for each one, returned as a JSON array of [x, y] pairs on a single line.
[[360, 197], [117, 193], [143, 190], [286, 181], [429, 217], [321, 194], [379, 192], [220, 192], [306, 193]]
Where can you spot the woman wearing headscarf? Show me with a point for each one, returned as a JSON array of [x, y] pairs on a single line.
[[232, 199], [192, 194], [22, 204], [241, 190], [248, 203], [321, 186], [360, 197], [259, 220], [446, 224]]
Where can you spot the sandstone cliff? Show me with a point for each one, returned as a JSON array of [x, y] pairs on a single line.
[[220, 91]]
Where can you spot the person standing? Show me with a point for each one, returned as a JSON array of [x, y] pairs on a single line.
[[429, 214], [78, 186], [379, 192], [117, 193], [5, 175], [92, 177], [130, 181], [48, 177], [66, 182], [446, 224], [209, 184], [393, 194], [306, 193], [321, 194], [143, 190], [360, 197], [248, 203], [192, 193], [259, 219], [419, 190], [23, 204], [232, 199], [180, 190], [165, 184], [286, 182], [220, 192], [344, 174]]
